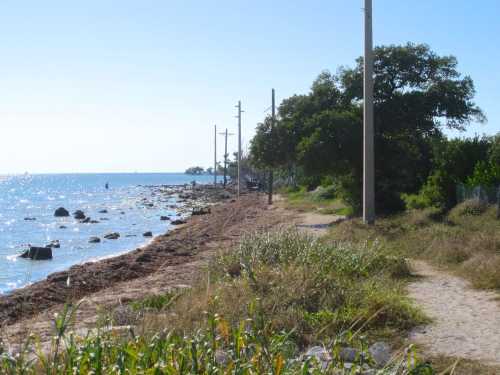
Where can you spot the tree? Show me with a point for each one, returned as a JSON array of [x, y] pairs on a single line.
[[195, 171], [417, 95]]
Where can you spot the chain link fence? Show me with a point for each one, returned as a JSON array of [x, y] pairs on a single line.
[[490, 195]]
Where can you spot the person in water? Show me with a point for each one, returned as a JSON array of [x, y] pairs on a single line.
[[106, 186]]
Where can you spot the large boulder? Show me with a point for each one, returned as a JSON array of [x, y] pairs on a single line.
[[112, 236], [79, 215], [37, 253], [61, 212]]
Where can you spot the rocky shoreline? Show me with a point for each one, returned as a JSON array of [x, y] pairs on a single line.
[[194, 206], [190, 200]]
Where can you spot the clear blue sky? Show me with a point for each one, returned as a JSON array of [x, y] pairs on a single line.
[[100, 85]]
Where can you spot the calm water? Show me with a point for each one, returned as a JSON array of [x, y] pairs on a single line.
[[39, 195]]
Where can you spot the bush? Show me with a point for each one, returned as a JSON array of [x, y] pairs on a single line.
[[486, 174], [293, 276], [415, 201], [324, 193]]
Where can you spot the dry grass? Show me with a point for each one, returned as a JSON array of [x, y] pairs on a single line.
[[465, 241], [463, 367]]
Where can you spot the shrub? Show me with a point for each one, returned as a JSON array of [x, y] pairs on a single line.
[[486, 174], [415, 201], [293, 276], [324, 193]]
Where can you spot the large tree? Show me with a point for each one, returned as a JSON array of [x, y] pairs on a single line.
[[417, 95]]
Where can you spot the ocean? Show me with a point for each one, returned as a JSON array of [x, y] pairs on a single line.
[[36, 197]]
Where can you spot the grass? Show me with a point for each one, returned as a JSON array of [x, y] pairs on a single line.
[[321, 201], [466, 240], [254, 311]]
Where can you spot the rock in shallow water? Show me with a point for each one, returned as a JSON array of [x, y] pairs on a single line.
[[112, 236], [79, 215], [148, 234], [37, 253], [61, 212], [94, 240]]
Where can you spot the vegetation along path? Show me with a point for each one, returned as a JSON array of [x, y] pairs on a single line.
[[466, 321]]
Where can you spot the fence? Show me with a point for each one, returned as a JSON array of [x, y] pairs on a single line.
[[489, 195]]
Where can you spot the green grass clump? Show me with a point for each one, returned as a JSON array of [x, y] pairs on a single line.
[[293, 277], [250, 347], [323, 200]]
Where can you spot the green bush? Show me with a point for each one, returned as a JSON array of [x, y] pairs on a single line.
[[293, 276], [486, 174], [324, 193]]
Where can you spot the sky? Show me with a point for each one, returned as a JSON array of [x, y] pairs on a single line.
[[137, 86]]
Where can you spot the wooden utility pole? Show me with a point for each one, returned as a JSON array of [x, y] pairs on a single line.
[[225, 134], [273, 124], [239, 146], [215, 155], [368, 130]]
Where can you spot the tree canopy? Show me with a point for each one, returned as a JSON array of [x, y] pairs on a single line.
[[417, 94]]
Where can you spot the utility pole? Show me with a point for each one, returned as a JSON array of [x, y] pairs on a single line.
[[368, 130], [239, 146], [225, 134], [273, 124], [215, 155]]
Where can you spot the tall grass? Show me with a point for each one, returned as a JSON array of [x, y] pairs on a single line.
[[262, 306]]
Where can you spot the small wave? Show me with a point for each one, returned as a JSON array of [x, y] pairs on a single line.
[[12, 258]]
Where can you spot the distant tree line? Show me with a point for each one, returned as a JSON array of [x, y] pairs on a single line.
[[317, 138]]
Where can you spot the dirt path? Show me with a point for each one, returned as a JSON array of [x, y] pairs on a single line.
[[466, 321], [316, 224]]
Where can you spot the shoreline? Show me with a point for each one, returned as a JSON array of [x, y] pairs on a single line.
[[91, 276], [178, 199]]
